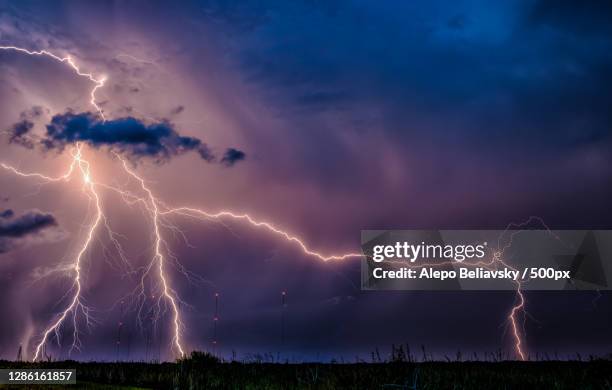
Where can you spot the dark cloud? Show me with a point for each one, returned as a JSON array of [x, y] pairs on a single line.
[[232, 156], [540, 66], [128, 135], [581, 18], [19, 132], [7, 213], [28, 224]]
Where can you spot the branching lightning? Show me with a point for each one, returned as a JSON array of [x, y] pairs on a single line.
[[158, 210], [159, 258], [76, 303], [98, 82], [198, 213]]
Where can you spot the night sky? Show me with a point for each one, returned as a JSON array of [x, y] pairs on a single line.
[[323, 117]]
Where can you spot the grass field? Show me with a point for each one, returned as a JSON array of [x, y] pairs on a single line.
[[205, 373]]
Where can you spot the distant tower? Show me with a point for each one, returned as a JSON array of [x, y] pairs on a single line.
[[215, 320], [283, 307], [20, 354], [148, 337], [159, 343], [119, 328], [129, 340]]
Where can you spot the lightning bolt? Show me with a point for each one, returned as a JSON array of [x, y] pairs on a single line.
[[168, 292], [519, 306], [202, 214], [98, 82], [496, 261], [76, 303], [157, 211]]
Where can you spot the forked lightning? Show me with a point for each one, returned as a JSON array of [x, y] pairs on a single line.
[[158, 210]]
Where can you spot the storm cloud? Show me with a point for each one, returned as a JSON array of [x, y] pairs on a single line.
[[14, 230], [464, 115], [128, 135]]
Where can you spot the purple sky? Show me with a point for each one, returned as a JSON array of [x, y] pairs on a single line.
[[351, 115]]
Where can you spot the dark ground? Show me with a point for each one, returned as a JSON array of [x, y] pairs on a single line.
[[205, 373]]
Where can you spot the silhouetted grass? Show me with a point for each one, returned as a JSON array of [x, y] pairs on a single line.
[[202, 371]]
